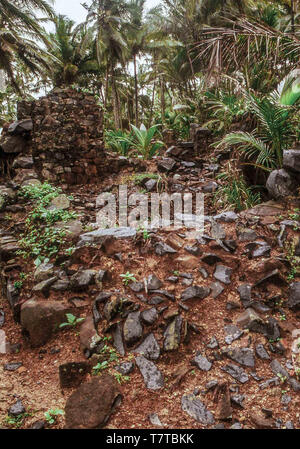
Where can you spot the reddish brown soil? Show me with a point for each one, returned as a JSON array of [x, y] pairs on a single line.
[[37, 381]]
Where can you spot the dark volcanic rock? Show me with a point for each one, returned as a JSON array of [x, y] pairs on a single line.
[[17, 409], [261, 352], [243, 356], [2, 318], [166, 164], [202, 363], [172, 335], [153, 378], [294, 296], [232, 333], [245, 294], [195, 293], [132, 328], [149, 316], [281, 184], [216, 289], [153, 283], [12, 366], [236, 372], [125, 368], [91, 405], [196, 409], [291, 160], [211, 258], [82, 279], [118, 339], [223, 274], [149, 348], [40, 319], [281, 372]]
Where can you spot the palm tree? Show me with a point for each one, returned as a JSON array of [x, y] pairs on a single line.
[[136, 39], [20, 32], [274, 132], [73, 49], [108, 19]]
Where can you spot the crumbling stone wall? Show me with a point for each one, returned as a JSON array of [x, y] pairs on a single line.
[[67, 136]]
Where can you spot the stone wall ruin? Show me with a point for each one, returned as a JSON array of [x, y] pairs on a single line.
[[67, 137]]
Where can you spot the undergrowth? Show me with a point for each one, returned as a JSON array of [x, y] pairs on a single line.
[[41, 240]]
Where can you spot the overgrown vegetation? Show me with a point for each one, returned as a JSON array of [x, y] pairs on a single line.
[[42, 240], [229, 66]]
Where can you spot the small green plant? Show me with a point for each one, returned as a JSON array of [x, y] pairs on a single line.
[[52, 415], [281, 378], [101, 366], [121, 379], [128, 277], [18, 285], [72, 321], [70, 251], [109, 354], [142, 141], [145, 232], [294, 261]]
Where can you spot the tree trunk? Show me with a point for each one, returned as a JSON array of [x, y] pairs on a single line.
[[162, 98], [116, 107], [293, 15], [106, 86], [152, 105], [136, 93]]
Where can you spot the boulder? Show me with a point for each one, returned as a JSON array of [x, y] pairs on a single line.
[[40, 319], [291, 160], [20, 127], [281, 184], [91, 405], [13, 144]]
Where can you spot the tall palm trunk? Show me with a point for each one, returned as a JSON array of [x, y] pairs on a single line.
[[293, 4], [116, 105], [106, 86], [152, 105], [162, 98], [136, 93]]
